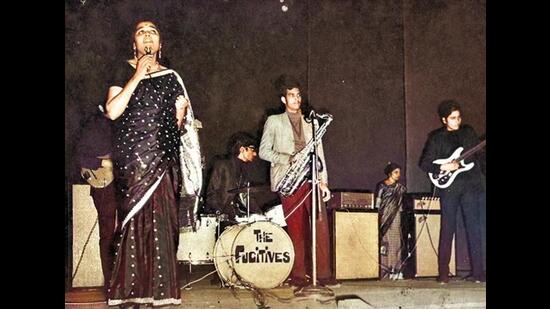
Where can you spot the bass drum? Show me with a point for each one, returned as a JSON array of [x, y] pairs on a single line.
[[259, 254]]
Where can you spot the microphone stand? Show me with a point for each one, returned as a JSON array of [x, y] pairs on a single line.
[[314, 289]]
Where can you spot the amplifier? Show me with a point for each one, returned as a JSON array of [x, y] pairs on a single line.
[[351, 200], [426, 202]]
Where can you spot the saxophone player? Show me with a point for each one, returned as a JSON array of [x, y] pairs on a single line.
[[284, 135]]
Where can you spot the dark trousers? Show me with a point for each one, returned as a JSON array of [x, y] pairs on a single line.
[[298, 228], [106, 204], [464, 202], [483, 223]]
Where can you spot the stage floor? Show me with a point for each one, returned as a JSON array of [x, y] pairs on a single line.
[[404, 294]]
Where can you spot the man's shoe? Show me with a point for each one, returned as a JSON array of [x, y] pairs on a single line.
[[329, 283], [443, 279], [476, 279], [297, 282]]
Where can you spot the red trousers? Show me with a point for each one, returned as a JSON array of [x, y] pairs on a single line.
[[299, 230]]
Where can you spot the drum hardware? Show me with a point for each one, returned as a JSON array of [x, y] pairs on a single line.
[[244, 202], [249, 189], [252, 189]]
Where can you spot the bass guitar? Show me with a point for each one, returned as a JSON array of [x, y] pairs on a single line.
[[100, 177], [445, 178]]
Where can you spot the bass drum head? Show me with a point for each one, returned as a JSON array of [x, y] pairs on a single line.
[[263, 254], [222, 254]]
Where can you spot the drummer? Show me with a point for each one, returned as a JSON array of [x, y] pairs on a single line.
[[230, 174]]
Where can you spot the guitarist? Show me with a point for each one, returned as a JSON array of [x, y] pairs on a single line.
[[94, 151], [464, 195]]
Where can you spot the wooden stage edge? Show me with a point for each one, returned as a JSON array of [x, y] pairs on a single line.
[[85, 295]]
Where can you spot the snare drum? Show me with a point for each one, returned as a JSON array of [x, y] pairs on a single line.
[[252, 218], [197, 247], [259, 253]]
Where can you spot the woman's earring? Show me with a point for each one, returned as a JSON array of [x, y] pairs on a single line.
[[135, 54], [160, 52]]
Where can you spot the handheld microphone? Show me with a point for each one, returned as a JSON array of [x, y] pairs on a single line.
[[148, 52]]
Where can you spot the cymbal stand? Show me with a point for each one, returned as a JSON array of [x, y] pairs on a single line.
[[248, 200]]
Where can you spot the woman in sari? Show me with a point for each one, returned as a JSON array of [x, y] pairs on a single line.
[[389, 201], [147, 101]]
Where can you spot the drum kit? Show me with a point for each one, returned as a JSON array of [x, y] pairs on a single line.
[[254, 252]]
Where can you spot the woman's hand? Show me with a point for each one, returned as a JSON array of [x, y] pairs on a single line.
[[182, 102], [181, 106], [143, 66], [118, 98]]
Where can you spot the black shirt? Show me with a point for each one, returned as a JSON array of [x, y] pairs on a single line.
[[442, 143], [95, 141]]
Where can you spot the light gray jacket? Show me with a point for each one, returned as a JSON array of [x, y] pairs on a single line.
[[277, 146]]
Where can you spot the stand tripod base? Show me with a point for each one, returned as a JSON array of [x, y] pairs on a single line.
[[314, 290]]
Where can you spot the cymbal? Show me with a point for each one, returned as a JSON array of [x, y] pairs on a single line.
[[253, 189]]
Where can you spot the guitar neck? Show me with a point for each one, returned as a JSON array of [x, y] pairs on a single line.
[[471, 151]]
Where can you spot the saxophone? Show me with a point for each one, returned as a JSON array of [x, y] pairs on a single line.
[[295, 175]]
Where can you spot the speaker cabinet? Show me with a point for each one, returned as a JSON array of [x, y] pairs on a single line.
[[89, 272], [427, 228], [355, 238]]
